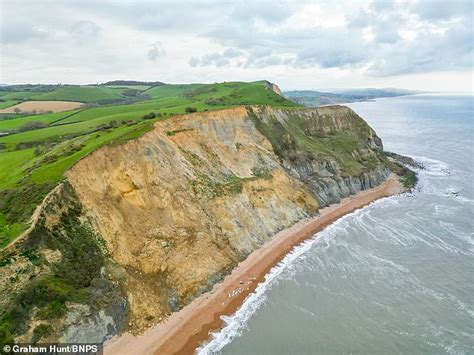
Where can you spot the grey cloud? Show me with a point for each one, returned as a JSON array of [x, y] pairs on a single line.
[[386, 34], [216, 59], [20, 31], [253, 34], [260, 57], [263, 62], [453, 50], [358, 19], [194, 61], [166, 16], [270, 12], [156, 51], [256, 57], [232, 53], [85, 29], [347, 48], [382, 5], [443, 10], [330, 57]]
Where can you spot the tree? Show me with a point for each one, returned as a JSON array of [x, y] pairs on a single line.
[[190, 109], [149, 116]]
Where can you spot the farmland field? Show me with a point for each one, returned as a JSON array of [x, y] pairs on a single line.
[[36, 150], [42, 106]]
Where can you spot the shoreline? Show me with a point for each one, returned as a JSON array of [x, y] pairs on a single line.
[[184, 331]]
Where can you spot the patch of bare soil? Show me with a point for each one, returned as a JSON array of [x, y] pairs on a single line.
[[42, 107]]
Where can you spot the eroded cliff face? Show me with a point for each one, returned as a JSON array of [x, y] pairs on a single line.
[[182, 205], [172, 212]]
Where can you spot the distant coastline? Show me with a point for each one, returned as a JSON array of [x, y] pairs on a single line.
[[312, 98]]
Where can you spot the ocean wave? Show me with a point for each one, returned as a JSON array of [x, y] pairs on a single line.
[[236, 323], [434, 168]]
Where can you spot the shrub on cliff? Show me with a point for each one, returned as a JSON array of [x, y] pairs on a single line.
[[149, 116], [190, 109]]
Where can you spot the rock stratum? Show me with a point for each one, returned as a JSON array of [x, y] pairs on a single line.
[[138, 230]]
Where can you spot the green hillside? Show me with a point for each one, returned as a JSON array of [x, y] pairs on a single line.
[[96, 94], [172, 90], [79, 93], [36, 150]]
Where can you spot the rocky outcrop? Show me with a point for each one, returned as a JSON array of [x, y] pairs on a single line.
[[166, 216], [273, 87]]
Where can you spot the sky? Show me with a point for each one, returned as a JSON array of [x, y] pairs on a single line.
[[419, 44]]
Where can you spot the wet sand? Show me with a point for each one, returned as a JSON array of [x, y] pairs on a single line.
[[185, 330]]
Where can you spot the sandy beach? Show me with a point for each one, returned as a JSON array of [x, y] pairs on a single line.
[[185, 330]]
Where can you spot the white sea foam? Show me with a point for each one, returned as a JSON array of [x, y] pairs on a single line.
[[437, 168], [235, 324], [432, 166]]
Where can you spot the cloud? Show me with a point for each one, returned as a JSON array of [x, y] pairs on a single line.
[[17, 31], [382, 5], [447, 51], [232, 53], [217, 59], [385, 34], [215, 39], [384, 52], [166, 16], [358, 19], [85, 29], [156, 51], [273, 12], [442, 10]]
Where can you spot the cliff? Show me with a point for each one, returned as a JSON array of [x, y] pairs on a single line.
[[273, 87], [140, 229]]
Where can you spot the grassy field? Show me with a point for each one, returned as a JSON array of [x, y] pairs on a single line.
[[40, 148], [8, 103], [98, 94], [80, 93], [19, 95]]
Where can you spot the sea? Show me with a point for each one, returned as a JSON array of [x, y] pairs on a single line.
[[396, 277]]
